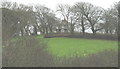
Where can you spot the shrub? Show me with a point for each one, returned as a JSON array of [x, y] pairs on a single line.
[[87, 36]]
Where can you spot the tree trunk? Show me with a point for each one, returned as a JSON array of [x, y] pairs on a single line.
[[110, 32], [35, 30], [50, 28], [83, 28], [72, 28], [21, 32], [93, 30], [116, 30], [46, 30], [106, 31], [29, 32]]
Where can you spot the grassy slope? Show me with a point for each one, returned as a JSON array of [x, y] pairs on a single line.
[[69, 47]]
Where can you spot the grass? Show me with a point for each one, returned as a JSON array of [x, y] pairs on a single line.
[[26, 52], [70, 47], [31, 52]]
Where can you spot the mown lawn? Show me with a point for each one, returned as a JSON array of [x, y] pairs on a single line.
[[70, 47]]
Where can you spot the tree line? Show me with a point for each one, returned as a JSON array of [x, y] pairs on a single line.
[[20, 19]]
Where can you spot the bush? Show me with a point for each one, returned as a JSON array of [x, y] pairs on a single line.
[[87, 36]]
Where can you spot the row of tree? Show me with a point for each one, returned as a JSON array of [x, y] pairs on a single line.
[[20, 19], [87, 16]]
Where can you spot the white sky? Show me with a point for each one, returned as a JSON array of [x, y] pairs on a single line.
[[53, 3]]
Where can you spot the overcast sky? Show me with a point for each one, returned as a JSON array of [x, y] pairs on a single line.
[[53, 3]]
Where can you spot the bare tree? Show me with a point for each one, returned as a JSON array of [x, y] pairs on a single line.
[[6, 4], [45, 19], [65, 11], [93, 14], [52, 20], [80, 19], [111, 21]]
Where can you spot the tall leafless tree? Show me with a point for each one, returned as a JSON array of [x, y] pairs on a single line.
[[93, 14]]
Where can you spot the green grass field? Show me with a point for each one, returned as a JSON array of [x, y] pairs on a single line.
[[59, 52], [70, 47]]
